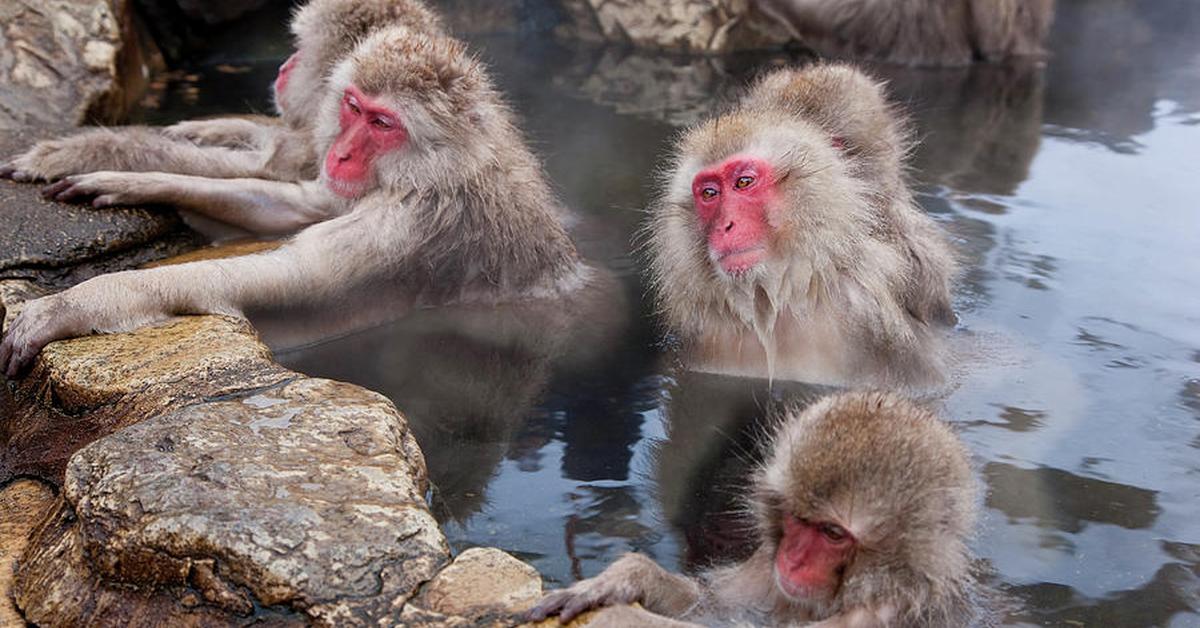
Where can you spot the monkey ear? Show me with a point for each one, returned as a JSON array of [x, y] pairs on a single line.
[[838, 142]]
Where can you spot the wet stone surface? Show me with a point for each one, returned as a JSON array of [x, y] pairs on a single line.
[[306, 499]]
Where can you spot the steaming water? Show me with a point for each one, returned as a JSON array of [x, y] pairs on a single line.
[[569, 436]]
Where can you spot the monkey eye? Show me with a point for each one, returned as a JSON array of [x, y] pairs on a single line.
[[743, 182], [834, 532], [709, 193], [382, 123], [353, 105]]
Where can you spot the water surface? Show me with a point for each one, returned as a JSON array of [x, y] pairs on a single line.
[[570, 436]]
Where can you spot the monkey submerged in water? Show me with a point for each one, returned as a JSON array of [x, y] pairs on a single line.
[[279, 148], [785, 241], [863, 509], [426, 184]]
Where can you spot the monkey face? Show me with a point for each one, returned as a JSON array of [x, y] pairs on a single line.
[[733, 200], [369, 129], [811, 558]]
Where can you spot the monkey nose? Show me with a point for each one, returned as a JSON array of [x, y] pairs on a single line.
[[729, 226]]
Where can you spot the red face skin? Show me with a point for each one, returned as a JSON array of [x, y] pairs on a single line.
[[285, 73], [810, 558], [732, 200], [368, 129]]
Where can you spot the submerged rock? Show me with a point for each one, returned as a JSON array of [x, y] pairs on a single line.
[[63, 62]]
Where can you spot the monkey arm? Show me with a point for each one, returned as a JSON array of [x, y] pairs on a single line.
[[633, 578], [323, 258], [251, 132], [130, 149], [257, 205]]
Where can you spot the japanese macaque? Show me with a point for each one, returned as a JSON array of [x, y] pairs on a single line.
[[426, 184], [863, 510], [279, 148], [787, 243], [918, 32]]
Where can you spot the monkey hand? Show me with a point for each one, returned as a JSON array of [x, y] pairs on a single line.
[[104, 188], [226, 132], [39, 323], [607, 589], [48, 160]]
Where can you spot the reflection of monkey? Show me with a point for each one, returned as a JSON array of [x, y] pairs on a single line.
[[785, 240], [863, 510], [467, 377], [425, 181], [245, 146]]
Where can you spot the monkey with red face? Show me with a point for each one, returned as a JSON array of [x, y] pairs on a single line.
[[786, 242], [863, 509], [426, 184], [278, 148]]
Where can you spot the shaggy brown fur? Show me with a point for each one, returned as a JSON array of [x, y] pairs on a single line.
[[459, 212], [880, 467], [918, 32], [857, 278], [265, 147]]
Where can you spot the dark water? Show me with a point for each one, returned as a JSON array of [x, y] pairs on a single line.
[[1073, 191]]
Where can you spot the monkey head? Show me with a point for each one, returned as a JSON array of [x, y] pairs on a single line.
[[403, 110], [850, 106], [757, 203], [325, 31], [866, 500]]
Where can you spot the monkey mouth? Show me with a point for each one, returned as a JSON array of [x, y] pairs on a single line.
[[796, 592], [345, 189], [738, 262]]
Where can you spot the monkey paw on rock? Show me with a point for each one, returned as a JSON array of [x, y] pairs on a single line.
[[105, 188], [39, 323], [48, 160], [584, 596]]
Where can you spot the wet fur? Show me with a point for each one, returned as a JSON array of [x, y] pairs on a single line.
[[896, 475], [858, 282], [461, 212]]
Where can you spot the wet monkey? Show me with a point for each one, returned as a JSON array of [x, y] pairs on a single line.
[[426, 184], [785, 241], [863, 509], [278, 148]]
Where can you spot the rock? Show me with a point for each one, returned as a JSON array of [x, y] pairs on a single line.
[[684, 26], [23, 504], [66, 61], [84, 388], [58, 245], [299, 503], [484, 586]]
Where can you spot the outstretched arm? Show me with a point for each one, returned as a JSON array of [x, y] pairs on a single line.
[[257, 205], [341, 252], [633, 578], [135, 149]]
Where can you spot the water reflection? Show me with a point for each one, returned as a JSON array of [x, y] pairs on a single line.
[[570, 437]]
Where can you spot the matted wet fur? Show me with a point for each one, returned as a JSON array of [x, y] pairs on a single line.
[[460, 211], [856, 285], [893, 476]]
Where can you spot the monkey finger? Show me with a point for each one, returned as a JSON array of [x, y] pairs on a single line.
[[550, 605], [54, 189], [574, 607], [7, 170], [105, 200]]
